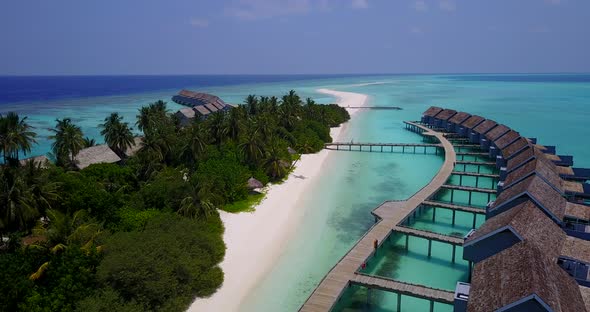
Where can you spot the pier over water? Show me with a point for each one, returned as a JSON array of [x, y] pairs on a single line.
[[390, 215]]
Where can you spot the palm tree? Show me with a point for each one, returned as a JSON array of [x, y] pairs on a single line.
[[235, 121], [216, 123], [68, 141], [274, 163], [88, 142], [149, 116], [252, 104], [252, 146], [17, 203], [117, 134], [197, 203], [15, 137], [196, 143]]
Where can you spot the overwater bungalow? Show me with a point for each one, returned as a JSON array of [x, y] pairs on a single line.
[[440, 120], [523, 222], [511, 151], [539, 166], [428, 116], [575, 259], [532, 188], [492, 136], [523, 278], [199, 105], [478, 132], [468, 125], [454, 122], [96, 155]]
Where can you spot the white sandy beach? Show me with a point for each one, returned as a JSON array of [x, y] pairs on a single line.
[[255, 240]]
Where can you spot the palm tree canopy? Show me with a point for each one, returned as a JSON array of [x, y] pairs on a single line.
[[68, 141], [16, 136]]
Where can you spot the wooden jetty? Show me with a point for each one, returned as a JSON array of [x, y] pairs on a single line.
[[469, 189], [431, 236], [471, 209], [423, 148], [391, 214], [401, 288]]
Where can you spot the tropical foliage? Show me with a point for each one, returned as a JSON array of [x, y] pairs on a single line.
[[77, 239]]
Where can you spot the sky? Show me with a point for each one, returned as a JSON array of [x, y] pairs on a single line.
[[73, 37]]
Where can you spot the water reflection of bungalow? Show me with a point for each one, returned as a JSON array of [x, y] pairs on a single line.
[[199, 105]]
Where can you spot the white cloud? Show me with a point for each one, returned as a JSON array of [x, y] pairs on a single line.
[[360, 4], [199, 22], [447, 5], [420, 5]]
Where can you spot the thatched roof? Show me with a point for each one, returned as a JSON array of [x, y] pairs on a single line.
[[135, 147], [459, 118], [254, 184], [515, 147], [539, 166], [187, 112], [536, 189], [485, 126], [519, 272], [585, 291], [497, 132], [211, 107], [446, 114], [573, 186], [473, 121], [96, 155], [530, 223], [576, 248], [507, 139], [568, 171], [432, 111], [577, 211], [40, 161], [202, 110], [203, 98]]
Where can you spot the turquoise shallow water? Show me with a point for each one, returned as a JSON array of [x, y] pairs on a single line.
[[337, 209]]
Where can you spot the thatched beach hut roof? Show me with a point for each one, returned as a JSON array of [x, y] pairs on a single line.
[[473, 121], [529, 223], [211, 107], [202, 110], [432, 111], [539, 166], [135, 147], [445, 114], [576, 248], [254, 184], [497, 132], [485, 126], [519, 273], [96, 155], [577, 211], [506, 139], [539, 191], [515, 147], [187, 112], [39, 161], [459, 118]]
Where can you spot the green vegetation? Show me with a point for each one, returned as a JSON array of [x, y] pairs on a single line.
[[145, 234], [244, 205]]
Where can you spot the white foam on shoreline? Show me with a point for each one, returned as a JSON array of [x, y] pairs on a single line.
[[255, 240]]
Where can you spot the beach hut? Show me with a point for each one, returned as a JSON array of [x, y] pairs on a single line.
[[39, 161], [532, 188], [185, 116], [254, 184], [523, 222], [131, 151], [577, 220], [575, 259], [454, 122], [478, 132], [96, 155], [428, 115], [467, 126], [522, 278], [511, 151]]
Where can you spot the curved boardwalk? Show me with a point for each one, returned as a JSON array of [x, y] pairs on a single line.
[[391, 214]]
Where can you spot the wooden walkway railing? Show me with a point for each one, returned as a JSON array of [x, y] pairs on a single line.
[[470, 209], [429, 235], [384, 147], [391, 214]]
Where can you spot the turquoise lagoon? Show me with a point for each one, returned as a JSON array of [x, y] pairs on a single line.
[[553, 108]]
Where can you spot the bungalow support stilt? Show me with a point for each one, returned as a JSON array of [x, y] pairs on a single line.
[[429, 248], [454, 251], [399, 302]]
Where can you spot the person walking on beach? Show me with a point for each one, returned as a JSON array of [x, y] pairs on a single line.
[[375, 244]]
